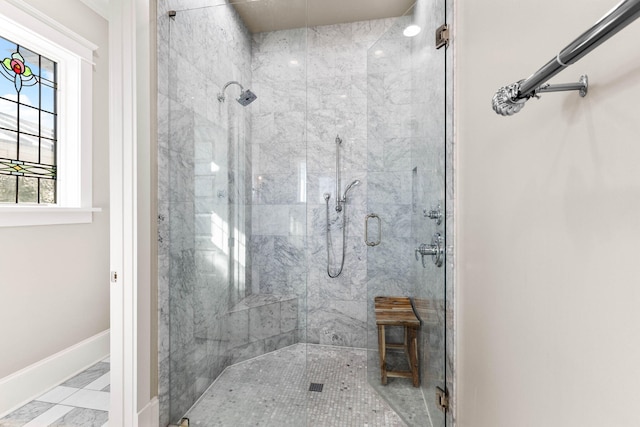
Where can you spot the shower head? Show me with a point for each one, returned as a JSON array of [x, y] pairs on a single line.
[[346, 190], [246, 96]]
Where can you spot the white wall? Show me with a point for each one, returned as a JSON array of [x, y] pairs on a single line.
[[549, 222], [54, 287]]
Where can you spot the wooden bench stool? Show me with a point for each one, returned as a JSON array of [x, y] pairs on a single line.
[[398, 311]]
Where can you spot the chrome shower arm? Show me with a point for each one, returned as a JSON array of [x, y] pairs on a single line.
[[510, 99], [221, 96], [233, 82]]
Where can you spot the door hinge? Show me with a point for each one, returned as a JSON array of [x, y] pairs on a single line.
[[114, 277], [442, 399], [442, 36]]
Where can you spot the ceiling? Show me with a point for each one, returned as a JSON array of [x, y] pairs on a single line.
[[99, 6], [271, 15]]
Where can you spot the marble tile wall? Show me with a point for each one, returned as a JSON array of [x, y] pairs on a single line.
[[391, 193], [337, 105], [278, 239], [290, 177]]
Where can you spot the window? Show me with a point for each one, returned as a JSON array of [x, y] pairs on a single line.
[[27, 125], [45, 120]]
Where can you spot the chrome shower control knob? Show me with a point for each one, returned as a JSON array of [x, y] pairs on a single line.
[[425, 249], [435, 249], [434, 214]]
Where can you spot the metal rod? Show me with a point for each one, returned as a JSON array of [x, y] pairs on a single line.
[[618, 18], [338, 201], [560, 87], [581, 86]]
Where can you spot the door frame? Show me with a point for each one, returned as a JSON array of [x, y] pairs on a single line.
[[123, 242], [133, 401]]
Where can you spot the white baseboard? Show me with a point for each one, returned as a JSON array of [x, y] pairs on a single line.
[[149, 416], [25, 385]]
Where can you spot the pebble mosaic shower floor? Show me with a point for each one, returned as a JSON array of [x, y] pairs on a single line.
[[273, 391]]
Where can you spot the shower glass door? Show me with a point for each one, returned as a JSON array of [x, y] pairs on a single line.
[[232, 218], [406, 168]]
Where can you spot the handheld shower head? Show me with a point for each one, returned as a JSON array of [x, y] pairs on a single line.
[[346, 190]]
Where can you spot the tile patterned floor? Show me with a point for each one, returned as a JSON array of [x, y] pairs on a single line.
[[273, 390], [82, 401], [270, 390]]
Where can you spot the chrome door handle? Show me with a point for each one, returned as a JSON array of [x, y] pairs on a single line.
[[366, 230], [435, 249]]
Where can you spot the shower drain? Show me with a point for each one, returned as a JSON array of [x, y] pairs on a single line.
[[316, 387]]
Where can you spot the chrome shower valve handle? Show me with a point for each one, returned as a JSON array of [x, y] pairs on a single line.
[[434, 214], [435, 249]]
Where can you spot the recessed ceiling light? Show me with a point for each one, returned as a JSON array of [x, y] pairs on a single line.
[[411, 31]]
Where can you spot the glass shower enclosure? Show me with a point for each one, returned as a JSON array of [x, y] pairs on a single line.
[[406, 80], [242, 219], [231, 236]]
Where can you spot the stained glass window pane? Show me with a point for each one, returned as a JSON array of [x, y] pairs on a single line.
[[8, 144], [7, 88], [47, 125], [47, 152], [27, 190], [29, 148], [30, 95], [7, 47], [7, 189], [31, 59], [28, 120], [47, 191], [8, 114], [48, 68], [47, 98]]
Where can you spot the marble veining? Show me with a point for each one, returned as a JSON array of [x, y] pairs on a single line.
[[88, 376], [25, 414], [83, 417]]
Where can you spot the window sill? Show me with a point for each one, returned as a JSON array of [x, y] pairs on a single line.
[[17, 216]]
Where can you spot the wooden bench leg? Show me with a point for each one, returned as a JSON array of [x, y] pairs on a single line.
[[413, 356], [382, 351]]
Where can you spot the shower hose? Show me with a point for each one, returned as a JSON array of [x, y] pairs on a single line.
[[329, 244]]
